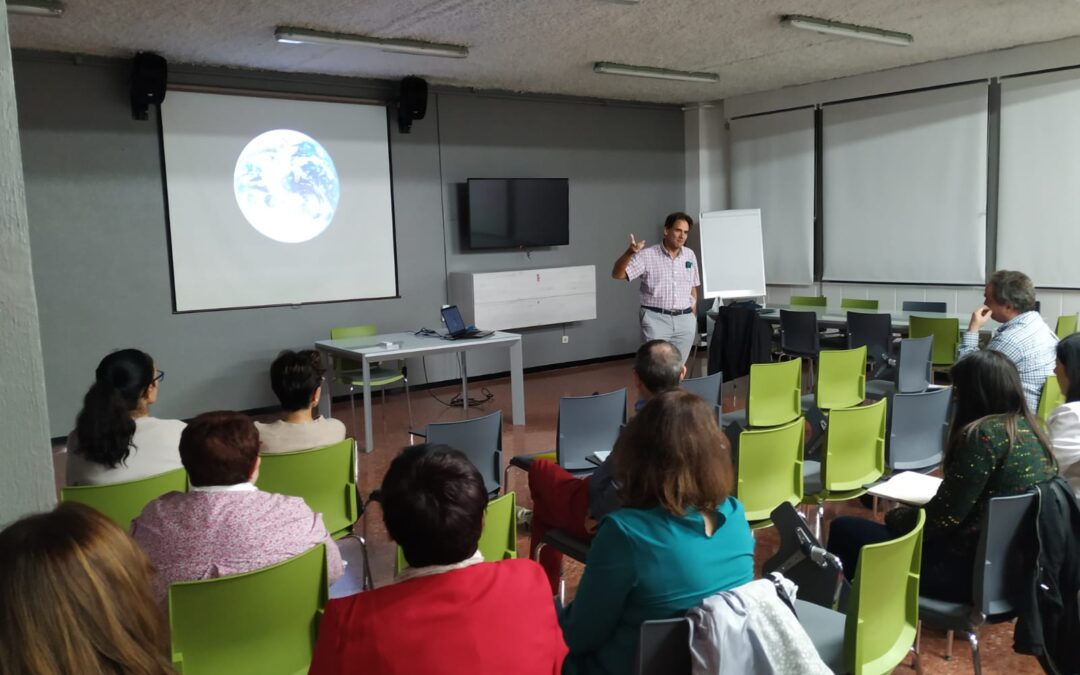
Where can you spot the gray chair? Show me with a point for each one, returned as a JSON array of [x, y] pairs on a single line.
[[799, 336], [568, 545], [707, 387], [914, 370], [924, 306], [1006, 534], [664, 647], [479, 438], [875, 332], [915, 440]]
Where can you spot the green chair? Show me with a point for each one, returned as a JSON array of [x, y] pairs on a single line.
[[1050, 399], [879, 628], [122, 502], [858, 303], [351, 374], [808, 301], [854, 457], [946, 334], [325, 478], [770, 470], [498, 539], [258, 622], [775, 392], [1066, 325], [841, 380]]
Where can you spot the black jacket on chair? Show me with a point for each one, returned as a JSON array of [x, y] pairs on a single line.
[[740, 338], [1048, 625]]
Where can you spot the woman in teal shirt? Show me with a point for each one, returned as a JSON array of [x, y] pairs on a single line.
[[679, 538]]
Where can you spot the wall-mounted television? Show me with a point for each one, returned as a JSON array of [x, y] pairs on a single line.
[[518, 213]]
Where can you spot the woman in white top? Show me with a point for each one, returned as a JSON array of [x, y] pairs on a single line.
[[297, 378], [115, 439], [1064, 421]]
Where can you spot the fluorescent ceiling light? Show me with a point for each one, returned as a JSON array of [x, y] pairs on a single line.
[[656, 73], [297, 36], [889, 37], [35, 7]]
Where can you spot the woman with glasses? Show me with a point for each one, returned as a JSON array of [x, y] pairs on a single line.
[[115, 438]]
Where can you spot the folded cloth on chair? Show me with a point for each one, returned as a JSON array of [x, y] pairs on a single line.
[[752, 629]]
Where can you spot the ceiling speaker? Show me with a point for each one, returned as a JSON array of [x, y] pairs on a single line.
[[412, 102], [148, 79]]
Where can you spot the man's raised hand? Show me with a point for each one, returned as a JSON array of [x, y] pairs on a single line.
[[636, 245]]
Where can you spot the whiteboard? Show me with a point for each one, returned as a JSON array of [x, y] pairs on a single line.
[[732, 254]]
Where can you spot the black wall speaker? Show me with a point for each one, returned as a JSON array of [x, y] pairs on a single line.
[[412, 102], [149, 73]]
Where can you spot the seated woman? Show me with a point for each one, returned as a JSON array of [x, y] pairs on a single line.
[[996, 448], [449, 611], [679, 537], [75, 597], [296, 378], [225, 525], [1064, 421], [115, 439]]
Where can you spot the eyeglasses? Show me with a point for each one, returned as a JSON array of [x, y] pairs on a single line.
[[159, 377]]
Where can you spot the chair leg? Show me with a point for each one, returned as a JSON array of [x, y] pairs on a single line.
[[974, 640], [408, 406], [352, 407], [916, 661], [562, 579], [948, 645], [820, 517], [875, 505]]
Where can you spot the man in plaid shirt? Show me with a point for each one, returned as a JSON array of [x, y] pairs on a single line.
[[669, 281], [1023, 335]]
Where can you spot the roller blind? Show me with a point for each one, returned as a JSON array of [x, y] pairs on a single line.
[[1038, 199], [904, 187], [772, 163]]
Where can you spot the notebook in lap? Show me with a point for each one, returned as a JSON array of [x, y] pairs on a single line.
[[455, 326]]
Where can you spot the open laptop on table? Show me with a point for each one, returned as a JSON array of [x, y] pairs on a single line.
[[455, 326]]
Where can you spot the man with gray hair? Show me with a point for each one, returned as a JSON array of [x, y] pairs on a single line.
[[1023, 335]]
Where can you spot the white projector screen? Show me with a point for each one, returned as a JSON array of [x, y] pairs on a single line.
[[1038, 203], [904, 187], [276, 202]]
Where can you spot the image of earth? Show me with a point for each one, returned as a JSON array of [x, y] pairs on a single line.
[[286, 186]]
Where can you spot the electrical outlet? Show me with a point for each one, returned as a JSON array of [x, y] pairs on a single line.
[[565, 339]]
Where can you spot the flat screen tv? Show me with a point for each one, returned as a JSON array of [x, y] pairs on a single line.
[[518, 212]]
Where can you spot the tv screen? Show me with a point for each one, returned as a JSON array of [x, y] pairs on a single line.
[[518, 212]]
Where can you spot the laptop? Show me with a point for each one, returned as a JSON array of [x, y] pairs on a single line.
[[455, 326]]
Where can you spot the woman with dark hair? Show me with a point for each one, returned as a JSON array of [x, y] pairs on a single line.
[[297, 380], [115, 439], [75, 597], [679, 537], [996, 448], [1064, 421]]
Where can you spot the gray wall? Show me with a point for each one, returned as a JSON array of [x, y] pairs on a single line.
[[98, 239]]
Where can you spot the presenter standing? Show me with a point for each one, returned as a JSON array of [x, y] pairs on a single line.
[[669, 281]]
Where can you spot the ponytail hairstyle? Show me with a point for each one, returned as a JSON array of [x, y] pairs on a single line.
[[104, 426]]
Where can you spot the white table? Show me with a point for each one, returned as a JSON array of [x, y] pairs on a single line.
[[833, 317], [368, 351]]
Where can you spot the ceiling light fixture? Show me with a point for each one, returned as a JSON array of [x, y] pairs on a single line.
[[889, 37], [52, 8], [297, 36], [609, 68]]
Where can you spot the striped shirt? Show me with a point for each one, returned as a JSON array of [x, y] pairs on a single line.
[[1029, 343], [665, 281]]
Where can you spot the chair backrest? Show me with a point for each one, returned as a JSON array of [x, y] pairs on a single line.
[[808, 301], [841, 380], [1006, 534], [770, 469], [799, 332], [498, 539], [342, 332], [707, 387], [854, 447], [1066, 325], [858, 303], [924, 306], [587, 424], [1051, 398], [264, 621], [664, 647], [775, 391], [480, 438], [873, 331], [883, 608], [122, 502], [325, 478], [915, 371], [917, 427], [818, 583], [946, 334]]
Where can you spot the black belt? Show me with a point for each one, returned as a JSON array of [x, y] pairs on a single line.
[[669, 312]]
